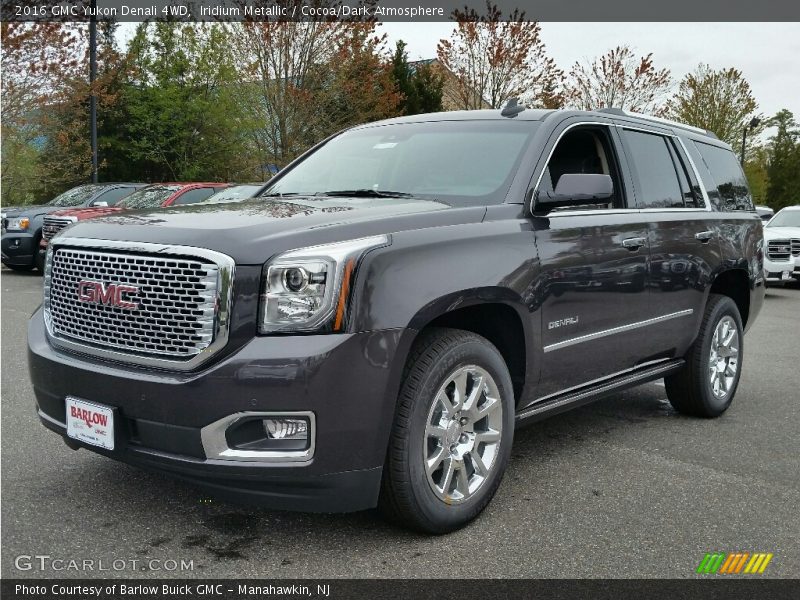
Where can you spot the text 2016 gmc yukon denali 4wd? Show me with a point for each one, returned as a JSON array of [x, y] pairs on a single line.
[[370, 330]]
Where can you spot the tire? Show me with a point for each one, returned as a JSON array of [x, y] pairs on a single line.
[[20, 267], [38, 262], [468, 439], [705, 387]]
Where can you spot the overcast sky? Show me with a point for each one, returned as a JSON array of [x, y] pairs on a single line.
[[767, 53]]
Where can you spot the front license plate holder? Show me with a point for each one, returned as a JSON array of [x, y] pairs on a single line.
[[90, 422]]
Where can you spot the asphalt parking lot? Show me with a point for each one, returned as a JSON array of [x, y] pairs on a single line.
[[622, 488]]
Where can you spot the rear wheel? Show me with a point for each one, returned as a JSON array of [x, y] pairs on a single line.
[[706, 385], [452, 434]]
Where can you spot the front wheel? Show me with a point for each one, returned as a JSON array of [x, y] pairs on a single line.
[[706, 385], [452, 434], [20, 267]]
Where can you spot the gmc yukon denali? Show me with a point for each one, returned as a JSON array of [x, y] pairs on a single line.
[[371, 329]]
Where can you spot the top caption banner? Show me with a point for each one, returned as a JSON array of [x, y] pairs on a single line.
[[397, 10]]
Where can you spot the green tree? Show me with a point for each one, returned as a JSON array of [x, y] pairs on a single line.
[[180, 118], [429, 84], [756, 167], [718, 100], [784, 164], [419, 85]]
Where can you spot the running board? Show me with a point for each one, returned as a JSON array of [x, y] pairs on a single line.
[[584, 395]]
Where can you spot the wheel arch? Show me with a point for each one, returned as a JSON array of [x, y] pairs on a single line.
[[734, 283], [493, 313]]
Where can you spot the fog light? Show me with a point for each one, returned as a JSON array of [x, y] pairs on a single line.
[[286, 429]]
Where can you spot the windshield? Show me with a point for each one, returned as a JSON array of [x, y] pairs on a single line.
[[75, 196], [234, 194], [786, 218], [462, 162], [152, 196]]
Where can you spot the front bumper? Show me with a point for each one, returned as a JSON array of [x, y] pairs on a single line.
[[18, 248], [348, 381], [773, 270]]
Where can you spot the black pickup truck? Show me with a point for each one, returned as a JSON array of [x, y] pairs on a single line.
[[371, 329]]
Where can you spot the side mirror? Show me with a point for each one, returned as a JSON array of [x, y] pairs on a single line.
[[100, 203], [577, 188]]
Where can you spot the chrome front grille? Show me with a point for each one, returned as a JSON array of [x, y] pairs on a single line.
[[779, 250], [143, 307], [52, 225], [795, 247]]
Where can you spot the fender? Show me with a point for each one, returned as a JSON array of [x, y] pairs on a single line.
[[421, 276], [742, 245]]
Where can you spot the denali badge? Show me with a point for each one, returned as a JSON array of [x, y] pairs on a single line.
[[563, 322], [110, 294]]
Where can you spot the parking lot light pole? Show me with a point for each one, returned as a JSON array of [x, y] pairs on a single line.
[[754, 122], [92, 77]]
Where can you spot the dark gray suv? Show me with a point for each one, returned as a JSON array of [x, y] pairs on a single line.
[[22, 226], [373, 326]]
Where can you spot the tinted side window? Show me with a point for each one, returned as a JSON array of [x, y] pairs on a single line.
[[197, 195], [708, 179], [584, 150], [659, 186], [733, 193], [692, 196], [114, 196]]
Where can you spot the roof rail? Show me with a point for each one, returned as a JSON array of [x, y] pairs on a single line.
[[622, 113]]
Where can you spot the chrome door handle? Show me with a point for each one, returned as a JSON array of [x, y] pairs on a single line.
[[704, 236], [634, 243]]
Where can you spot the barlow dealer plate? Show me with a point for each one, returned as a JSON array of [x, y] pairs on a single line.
[[90, 423]]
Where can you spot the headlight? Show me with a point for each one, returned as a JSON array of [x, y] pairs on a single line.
[[20, 223], [307, 289]]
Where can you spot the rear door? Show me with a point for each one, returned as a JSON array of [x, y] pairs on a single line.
[[683, 234]]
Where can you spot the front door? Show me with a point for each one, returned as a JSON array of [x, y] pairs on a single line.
[[594, 261]]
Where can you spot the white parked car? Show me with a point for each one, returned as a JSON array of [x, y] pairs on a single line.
[[765, 212], [782, 243]]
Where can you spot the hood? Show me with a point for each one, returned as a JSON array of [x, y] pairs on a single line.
[[781, 233], [14, 211], [252, 231], [86, 213], [35, 211]]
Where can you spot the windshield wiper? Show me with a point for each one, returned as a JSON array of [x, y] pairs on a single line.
[[280, 195], [366, 193]]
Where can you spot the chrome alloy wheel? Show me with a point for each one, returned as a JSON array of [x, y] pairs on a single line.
[[724, 359], [462, 434]]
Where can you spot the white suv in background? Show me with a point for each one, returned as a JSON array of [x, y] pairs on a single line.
[[782, 243]]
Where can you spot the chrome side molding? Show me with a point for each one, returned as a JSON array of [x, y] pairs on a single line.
[[615, 330]]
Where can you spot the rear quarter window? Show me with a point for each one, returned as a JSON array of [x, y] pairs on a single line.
[[727, 188]]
